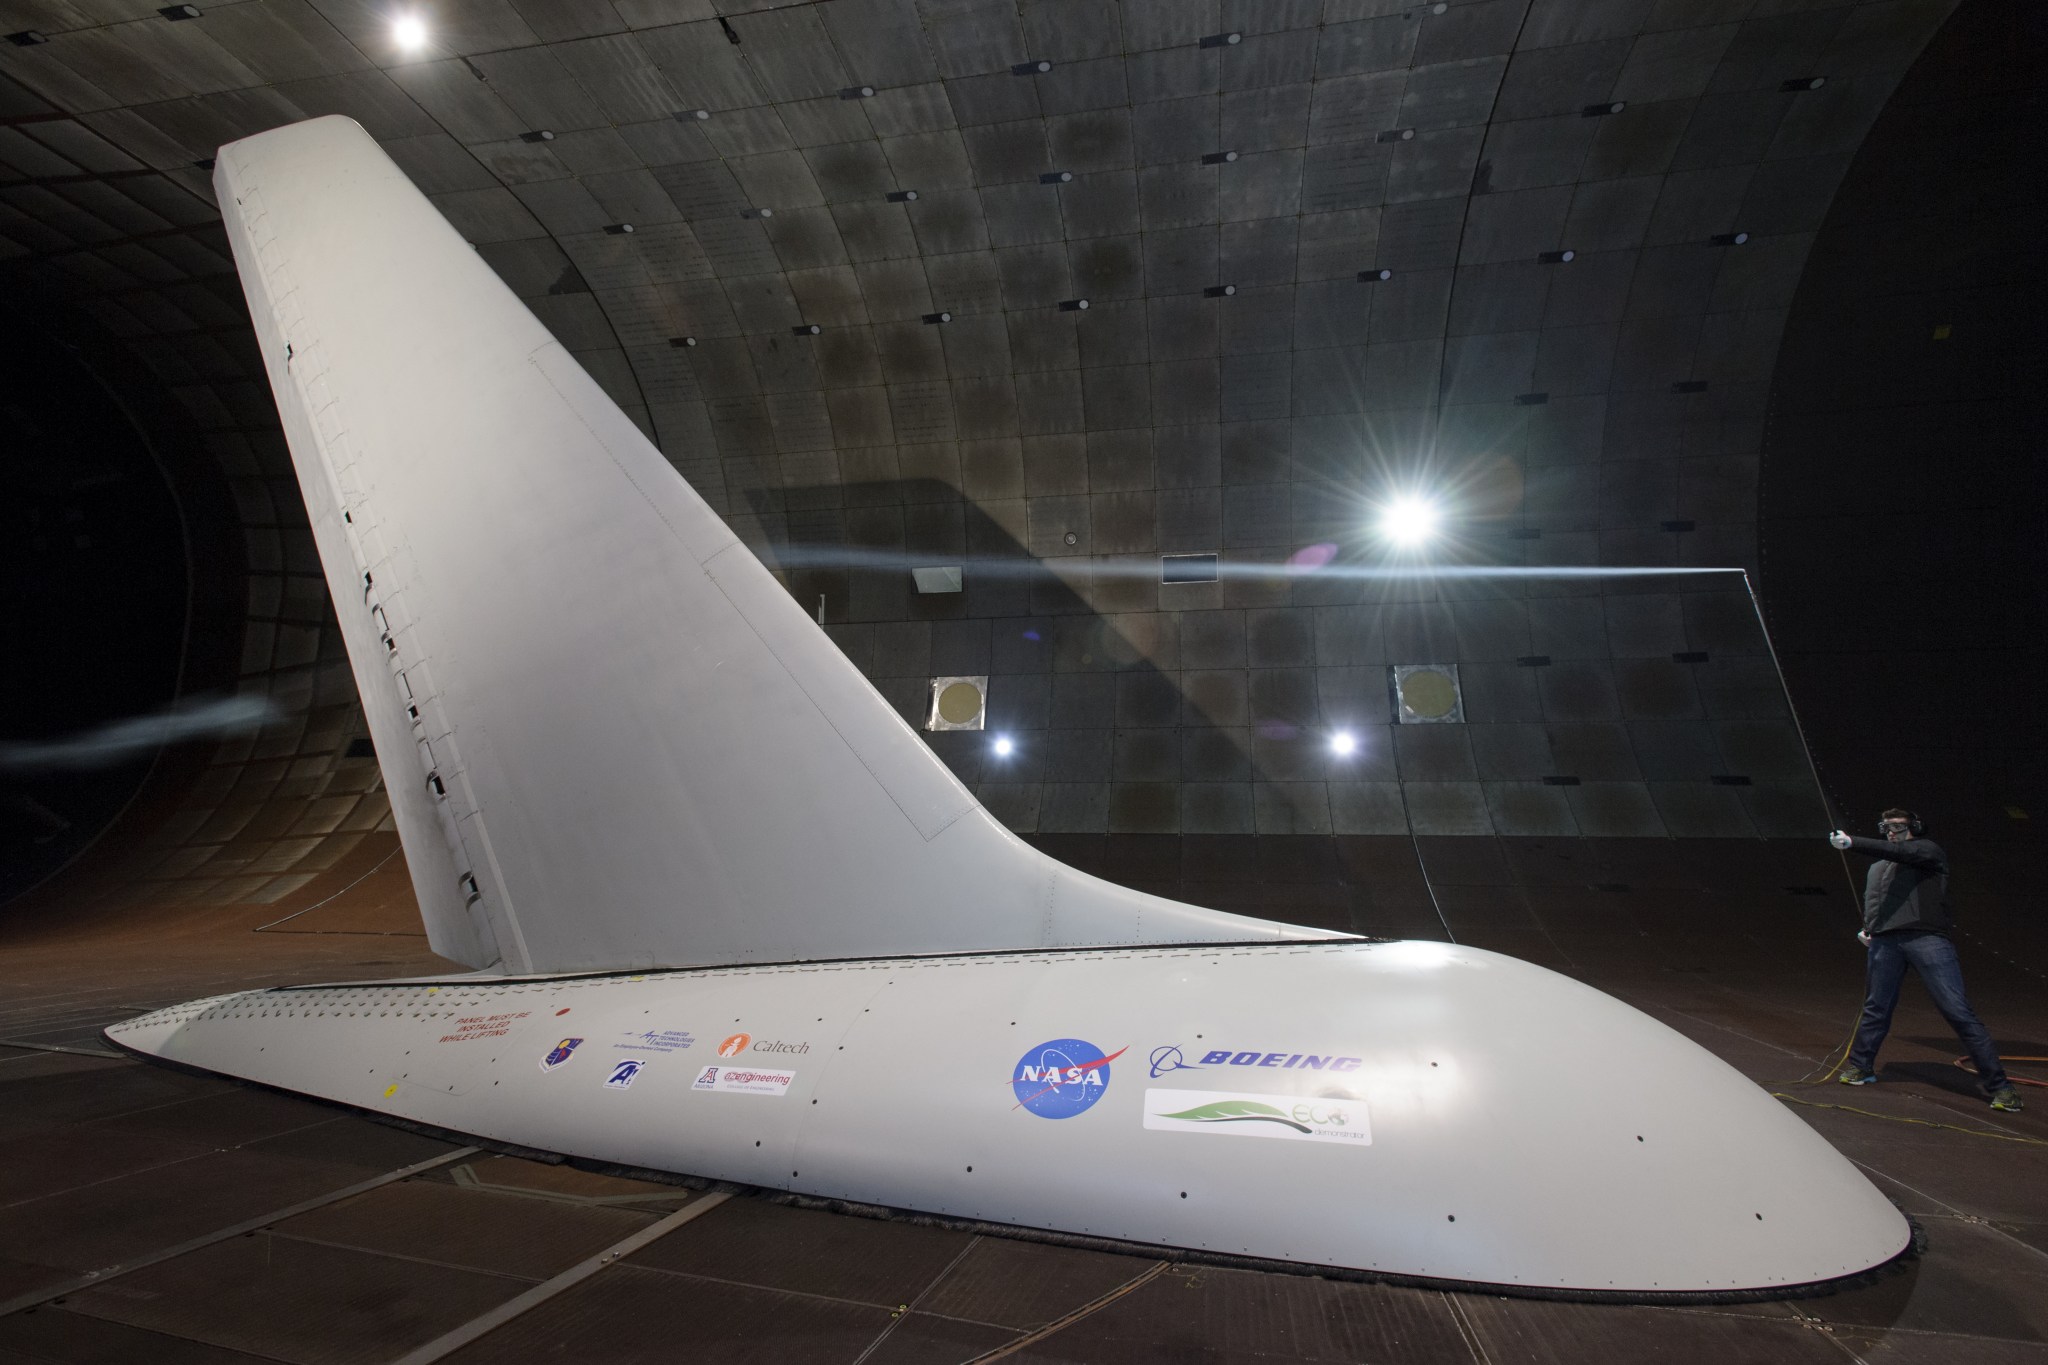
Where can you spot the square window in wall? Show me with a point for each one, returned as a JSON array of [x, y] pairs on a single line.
[[1426, 694], [958, 703]]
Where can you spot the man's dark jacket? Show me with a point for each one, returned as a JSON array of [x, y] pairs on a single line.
[[1907, 887]]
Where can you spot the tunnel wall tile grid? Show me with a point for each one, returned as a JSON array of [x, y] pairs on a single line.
[[1606, 410]]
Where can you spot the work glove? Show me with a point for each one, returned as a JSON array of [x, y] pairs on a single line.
[[1840, 840]]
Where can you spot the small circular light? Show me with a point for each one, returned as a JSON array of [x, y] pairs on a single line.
[[1741, 237], [1233, 38], [945, 317], [1003, 747], [910, 196], [1042, 67], [1081, 304], [410, 32], [1229, 290], [1407, 135], [1344, 744], [546, 135], [867, 92], [813, 329], [1066, 177], [1230, 156]]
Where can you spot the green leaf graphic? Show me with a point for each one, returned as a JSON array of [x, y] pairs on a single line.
[[1238, 1111]]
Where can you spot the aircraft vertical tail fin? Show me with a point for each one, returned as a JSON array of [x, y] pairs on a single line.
[[611, 738]]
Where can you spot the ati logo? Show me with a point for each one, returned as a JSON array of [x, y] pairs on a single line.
[[560, 1053], [624, 1073], [735, 1045], [1062, 1078]]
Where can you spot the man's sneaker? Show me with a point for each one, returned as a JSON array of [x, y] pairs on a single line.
[[1856, 1075], [2008, 1100]]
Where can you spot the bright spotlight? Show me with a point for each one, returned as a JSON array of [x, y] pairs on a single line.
[[1409, 520], [1003, 747], [1343, 744], [410, 32]]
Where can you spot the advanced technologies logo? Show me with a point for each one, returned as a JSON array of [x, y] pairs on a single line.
[[1062, 1078], [1296, 1118]]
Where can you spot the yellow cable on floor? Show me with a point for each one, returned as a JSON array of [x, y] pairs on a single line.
[[1900, 1118]]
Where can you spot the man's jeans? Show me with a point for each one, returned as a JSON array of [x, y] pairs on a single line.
[[1934, 958]]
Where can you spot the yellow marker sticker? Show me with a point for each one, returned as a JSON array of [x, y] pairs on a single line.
[[390, 1090]]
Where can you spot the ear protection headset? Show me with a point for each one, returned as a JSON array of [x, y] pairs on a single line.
[[1914, 826]]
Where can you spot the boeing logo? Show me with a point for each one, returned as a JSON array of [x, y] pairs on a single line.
[[1170, 1058]]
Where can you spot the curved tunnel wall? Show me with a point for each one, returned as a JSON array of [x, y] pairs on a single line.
[[1606, 410]]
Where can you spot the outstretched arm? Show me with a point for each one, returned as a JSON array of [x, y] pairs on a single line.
[[1912, 852]]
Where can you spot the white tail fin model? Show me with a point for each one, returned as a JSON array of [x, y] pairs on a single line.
[[610, 737], [736, 921]]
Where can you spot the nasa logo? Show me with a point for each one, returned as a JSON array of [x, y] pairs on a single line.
[[624, 1073], [560, 1053], [735, 1045], [1062, 1078]]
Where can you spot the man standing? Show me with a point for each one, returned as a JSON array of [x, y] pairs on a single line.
[[1906, 921]]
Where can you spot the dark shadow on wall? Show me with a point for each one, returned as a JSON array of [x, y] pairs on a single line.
[[124, 580], [1903, 491], [1904, 495]]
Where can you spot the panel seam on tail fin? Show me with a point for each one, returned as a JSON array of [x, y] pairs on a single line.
[[823, 713], [940, 822]]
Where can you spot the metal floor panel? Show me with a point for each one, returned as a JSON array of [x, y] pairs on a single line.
[[1214, 1314], [298, 1301], [104, 1224], [501, 1233], [37, 1164], [632, 1315], [1525, 1332], [98, 1090], [811, 1252], [1027, 1284], [922, 1339], [57, 1336]]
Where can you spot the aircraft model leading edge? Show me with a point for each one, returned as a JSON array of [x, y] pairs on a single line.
[[727, 916]]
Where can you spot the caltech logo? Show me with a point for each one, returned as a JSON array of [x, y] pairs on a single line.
[[624, 1073], [560, 1053], [735, 1045], [1062, 1078], [1297, 1118]]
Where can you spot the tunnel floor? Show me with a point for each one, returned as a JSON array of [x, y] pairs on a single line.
[[147, 1214]]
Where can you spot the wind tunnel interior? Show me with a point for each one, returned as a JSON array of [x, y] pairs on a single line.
[[1149, 726]]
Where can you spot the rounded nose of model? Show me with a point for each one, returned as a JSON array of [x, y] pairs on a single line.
[[1543, 1133]]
